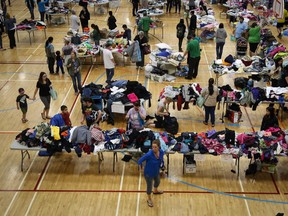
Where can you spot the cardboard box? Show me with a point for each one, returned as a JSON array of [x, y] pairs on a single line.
[[157, 78], [233, 116], [190, 168]]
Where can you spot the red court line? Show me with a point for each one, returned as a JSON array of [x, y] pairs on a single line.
[[133, 191], [42, 173], [274, 182]]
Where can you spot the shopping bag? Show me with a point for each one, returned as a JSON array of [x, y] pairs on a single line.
[[146, 50], [200, 101], [53, 93]]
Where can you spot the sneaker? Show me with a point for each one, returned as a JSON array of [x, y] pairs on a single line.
[[205, 123]]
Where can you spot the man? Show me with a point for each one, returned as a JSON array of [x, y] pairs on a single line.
[[109, 62], [144, 24], [193, 23], [135, 4], [241, 28], [193, 48], [127, 32], [30, 5], [90, 111]]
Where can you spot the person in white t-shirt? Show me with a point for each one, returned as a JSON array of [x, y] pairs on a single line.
[[75, 23], [109, 62]]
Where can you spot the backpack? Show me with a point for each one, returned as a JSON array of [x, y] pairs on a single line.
[[171, 124], [180, 32]]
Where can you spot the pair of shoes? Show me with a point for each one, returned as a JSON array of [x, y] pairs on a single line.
[[213, 125], [205, 123], [150, 203], [188, 78], [158, 192], [43, 116]]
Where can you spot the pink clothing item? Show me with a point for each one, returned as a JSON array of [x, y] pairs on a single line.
[[132, 97]]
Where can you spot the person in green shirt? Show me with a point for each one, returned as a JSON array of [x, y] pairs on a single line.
[[193, 49], [95, 34], [144, 24], [254, 38]]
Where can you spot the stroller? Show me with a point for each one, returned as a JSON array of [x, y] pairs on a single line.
[[241, 47]]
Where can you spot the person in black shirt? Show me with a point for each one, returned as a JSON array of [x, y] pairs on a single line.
[[193, 23], [283, 81], [181, 28], [21, 101], [269, 119], [44, 85], [90, 111], [135, 7], [111, 21], [127, 32], [84, 17]]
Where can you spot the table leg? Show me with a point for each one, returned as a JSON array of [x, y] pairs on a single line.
[[114, 158], [162, 31], [238, 166], [99, 160], [45, 32], [30, 37], [17, 35], [183, 163], [24, 153], [168, 161]]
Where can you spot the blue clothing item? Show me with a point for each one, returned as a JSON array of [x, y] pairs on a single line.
[[152, 167], [240, 28], [57, 120], [119, 83], [41, 6]]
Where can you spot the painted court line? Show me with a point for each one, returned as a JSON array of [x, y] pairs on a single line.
[[121, 186], [138, 195]]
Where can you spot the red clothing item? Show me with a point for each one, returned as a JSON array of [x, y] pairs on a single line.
[[66, 118]]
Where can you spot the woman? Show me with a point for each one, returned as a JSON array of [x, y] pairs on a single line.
[[84, 17], [210, 94], [50, 54], [66, 51], [254, 38], [154, 160], [96, 36], [269, 119], [73, 66], [111, 21], [181, 28], [136, 116], [44, 85], [162, 111], [276, 74], [221, 36], [10, 29], [143, 41], [75, 24]]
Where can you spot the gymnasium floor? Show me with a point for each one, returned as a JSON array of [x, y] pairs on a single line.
[[67, 185]]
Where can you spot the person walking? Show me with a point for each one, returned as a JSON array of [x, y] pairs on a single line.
[[143, 41], [135, 4], [220, 36], [210, 94], [253, 38], [30, 5], [50, 54], [41, 8], [75, 23], [109, 62], [21, 101], [111, 22], [193, 48], [10, 29], [84, 17], [181, 28], [74, 66], [96, 35], [66, 51], [144, 24], [154, 161], [43, 86]]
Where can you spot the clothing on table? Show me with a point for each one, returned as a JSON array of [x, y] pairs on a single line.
[[90, 113]]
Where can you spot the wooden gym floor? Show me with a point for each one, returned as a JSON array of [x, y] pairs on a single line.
[[67, 185]]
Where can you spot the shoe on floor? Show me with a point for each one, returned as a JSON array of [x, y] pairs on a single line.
[[205, 123], [150, 203]]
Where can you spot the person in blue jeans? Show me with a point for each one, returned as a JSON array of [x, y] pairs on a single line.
[[210, 94], [220, 36], [154, 160], [73, 66]]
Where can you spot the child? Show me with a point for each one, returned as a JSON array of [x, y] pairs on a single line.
[[59, 62], [21, 102], [61, 119]]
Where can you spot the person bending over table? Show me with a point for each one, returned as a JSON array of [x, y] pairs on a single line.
[[162, 110], [269, 119], [136, 116], [154, 161]]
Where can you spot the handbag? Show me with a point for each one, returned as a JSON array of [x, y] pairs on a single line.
[[200, 101], [53, 93], [147, 49]]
